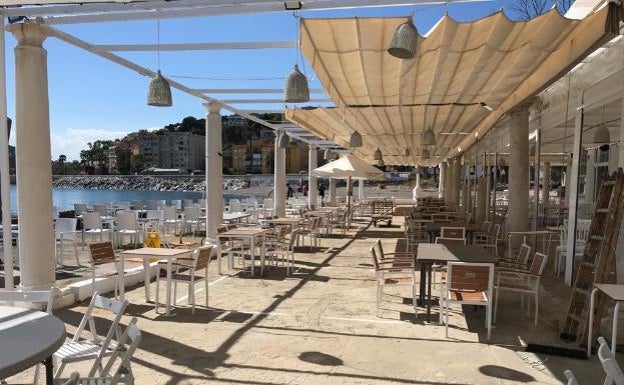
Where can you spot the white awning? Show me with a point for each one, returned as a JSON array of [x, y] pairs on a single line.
[[348, 166], [457, 69]]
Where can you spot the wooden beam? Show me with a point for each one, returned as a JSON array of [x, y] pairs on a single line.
[[195, 46], [250, 90]]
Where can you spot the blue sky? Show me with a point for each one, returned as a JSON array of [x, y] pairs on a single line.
[[91, 98]]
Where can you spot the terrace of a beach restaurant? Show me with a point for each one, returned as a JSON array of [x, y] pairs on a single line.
[[292, 300]]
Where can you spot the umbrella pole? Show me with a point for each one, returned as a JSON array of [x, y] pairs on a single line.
[[349, 194]]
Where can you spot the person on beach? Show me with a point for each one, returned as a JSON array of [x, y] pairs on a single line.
[[321, 192], [290, 192]]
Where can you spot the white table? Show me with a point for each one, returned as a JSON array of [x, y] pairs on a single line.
[[246, 233], [28, 337], [616, 293], [146, 253]]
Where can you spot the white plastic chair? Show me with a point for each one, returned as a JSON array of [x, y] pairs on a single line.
[[123, 205], [609, 364], [185, 273], [79, 208], [177, 203], [101, 208], [127, 226], [470, 284], [93, 227], [171, 219], [44, 299], [65, 231], [136, 205], [191, 219], [267, 206], [188, 203], [155, 217], [79, 349], [151, 205]]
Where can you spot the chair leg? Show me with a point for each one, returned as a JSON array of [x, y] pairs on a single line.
[[207, 283], [536, 305], [379, 289], [156, 302], [488, 319], [446, 316], [192, 296], [76, 252], [496, 294]]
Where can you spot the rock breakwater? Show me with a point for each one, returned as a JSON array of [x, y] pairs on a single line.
[[142, 182]]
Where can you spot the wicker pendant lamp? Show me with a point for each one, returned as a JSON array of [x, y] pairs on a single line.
[[159, 90], [428, 138], [425, 154], [296, 89], [407, 151], [282, 140], [404, 41], [377, 155], [355, 140]]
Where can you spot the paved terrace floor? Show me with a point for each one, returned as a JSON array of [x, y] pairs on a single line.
[[319, 326]]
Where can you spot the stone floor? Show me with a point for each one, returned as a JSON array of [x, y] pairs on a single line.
[[319, 326]]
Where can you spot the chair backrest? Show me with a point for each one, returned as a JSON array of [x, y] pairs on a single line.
[[126, 220], [79, 208], [202, 203], [453, 232], [188, 203], [470, 276], [155, 214], [538, 264], [42, 298], [609, 364], [136, 205], [151, 205], [123, 205], [191, 213], [91, 221], [571, 379], [65, 225], [170, 213], [582, 229], [101, 253], [486, 226], [74, 379], [101, 208], [131, 334], [522, 258], [496, 229], [203, 255], [177, 204], [438, 217], [235, 206], [268, 203], [111, 305], [450, 241]]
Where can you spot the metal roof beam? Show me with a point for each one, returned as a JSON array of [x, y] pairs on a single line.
[[250, 90], [195, 46], [270, 101]]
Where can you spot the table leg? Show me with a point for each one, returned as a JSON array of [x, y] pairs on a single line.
[[168, 296], [122, 278], [616, 312], [429, 272], [146, 279], [423, 280], [219, 255], [252, 255], [49, 371], [592, 299], [262, 255]]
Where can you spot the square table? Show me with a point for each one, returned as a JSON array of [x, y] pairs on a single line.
[[251, 233], [286, 221], [616, 293], [428, 253], [146, 253]]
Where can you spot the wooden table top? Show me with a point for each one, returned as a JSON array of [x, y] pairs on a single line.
[[155, 252], [286, 220], [437, 226], [244, 231], [615, 292], [453, 253]]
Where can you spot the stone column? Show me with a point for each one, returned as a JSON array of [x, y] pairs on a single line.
[[546, 183], [312, 180], [214, 171], [332, 191], [456, 181], [443, 182], [34, 174], [360, 189], [519, 170], [590, 175], [416, 189], [481, 198], [279, 178]]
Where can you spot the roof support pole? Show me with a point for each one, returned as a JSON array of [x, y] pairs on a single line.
[[312, 182], [360, 189], [619, 254], [494, 184], [465, 199], [214, 173], [590, 176], [456, 181], [536, 177], [416, 189], [5, 180], [572, 188], [519, 171], [34, 174], [279, 179], [332, 191], [442, 182]]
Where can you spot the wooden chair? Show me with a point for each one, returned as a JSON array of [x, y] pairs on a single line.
[[609, 364], [471, 284], [101, 254], [490, 241], [520, 261], [393, 273], [94, 228], [453, 232], [383, 256], [524, 282], [65, 232], [186, 270], [450, 241], [79, 349], [282, 250], [478, 237]]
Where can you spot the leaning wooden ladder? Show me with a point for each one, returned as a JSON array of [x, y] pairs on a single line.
[[598, 262]]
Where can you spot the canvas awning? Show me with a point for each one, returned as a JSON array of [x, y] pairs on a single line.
[[458, 67], [348, 166]]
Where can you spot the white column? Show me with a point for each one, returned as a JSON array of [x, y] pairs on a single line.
[[360, 189], [568, 172], [34, 174], [312, 180], [519, 170], [214, 171], [456, 181], [442, 182], [279, 178], [416, 189], [332, 191], [481, 197], [5, 180], [546, 183], [590, 175], [572, 189]]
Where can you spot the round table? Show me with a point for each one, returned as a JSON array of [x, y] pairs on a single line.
[[28, 337]]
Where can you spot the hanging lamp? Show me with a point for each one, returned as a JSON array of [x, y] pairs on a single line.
[[426, 154], [407, 151], [296, 89], [428, 138], [282, 140], [404, 41], [377, 155], [159, 90], [355, 139]]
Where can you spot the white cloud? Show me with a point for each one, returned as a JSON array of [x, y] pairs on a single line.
[[75, 139]]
